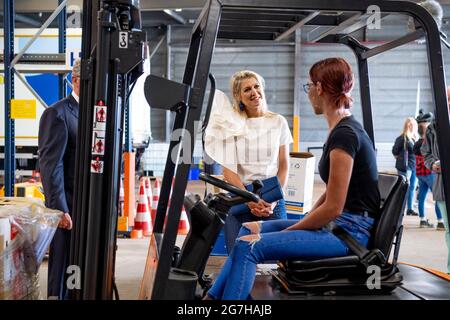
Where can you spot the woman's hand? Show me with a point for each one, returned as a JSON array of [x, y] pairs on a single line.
[[272, 206], [261, 209]]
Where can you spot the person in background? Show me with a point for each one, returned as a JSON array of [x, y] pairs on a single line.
[[430, 151], [58, 128], [405, 162], [425, 176], [351, 199]]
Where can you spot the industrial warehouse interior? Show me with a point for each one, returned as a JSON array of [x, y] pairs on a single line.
[[194, 150]]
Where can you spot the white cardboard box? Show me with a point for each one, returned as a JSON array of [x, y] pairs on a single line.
[[300, 185]]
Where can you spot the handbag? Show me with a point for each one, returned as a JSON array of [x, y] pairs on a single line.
[[270, 192]]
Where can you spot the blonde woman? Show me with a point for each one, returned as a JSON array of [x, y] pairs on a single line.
[[403, 151], [260, 148]]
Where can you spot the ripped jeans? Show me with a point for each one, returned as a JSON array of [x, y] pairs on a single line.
[[234, 222], [237, 276]]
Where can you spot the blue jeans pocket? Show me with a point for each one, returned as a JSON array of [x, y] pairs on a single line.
[[357, 226]]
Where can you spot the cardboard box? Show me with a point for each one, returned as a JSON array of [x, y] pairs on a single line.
[[300, 185]]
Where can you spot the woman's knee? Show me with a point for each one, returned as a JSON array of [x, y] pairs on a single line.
[[253, 227], [248, 247], [251, 239]]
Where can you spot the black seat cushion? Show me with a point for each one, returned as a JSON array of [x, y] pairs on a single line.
[[329, 262]]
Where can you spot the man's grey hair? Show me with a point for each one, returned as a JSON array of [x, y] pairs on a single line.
[[76, 69]]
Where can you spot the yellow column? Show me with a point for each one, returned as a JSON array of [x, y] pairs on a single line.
[[296, 129]]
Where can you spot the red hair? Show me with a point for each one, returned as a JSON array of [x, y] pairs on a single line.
[[336, 77]]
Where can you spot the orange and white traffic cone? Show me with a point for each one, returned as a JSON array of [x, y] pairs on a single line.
[[136, 234], [155, 199], [121, 198], [183, 226], [148, 191], [143, 219]]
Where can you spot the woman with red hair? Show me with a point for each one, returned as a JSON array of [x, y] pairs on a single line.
[[351, 200]]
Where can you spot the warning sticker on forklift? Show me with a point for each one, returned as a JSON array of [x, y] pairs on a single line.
[[100, 118], [96, 166], [123, 40], [98, 142]]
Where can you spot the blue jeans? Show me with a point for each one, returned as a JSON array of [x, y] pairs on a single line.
[[236, 279], [234, 222], [410, 176], [425, 184]]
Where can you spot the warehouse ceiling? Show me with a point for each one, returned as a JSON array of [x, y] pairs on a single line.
[[150, 18], [156, 14], [50, 5]]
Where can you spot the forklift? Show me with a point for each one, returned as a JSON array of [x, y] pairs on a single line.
[[112, 56]]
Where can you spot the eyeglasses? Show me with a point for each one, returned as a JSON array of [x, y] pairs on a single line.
[[307, 86]]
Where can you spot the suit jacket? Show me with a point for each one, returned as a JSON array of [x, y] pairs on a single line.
[[57, 146]]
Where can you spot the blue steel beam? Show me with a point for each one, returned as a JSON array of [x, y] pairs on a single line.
[[8, 14], [62, 25]]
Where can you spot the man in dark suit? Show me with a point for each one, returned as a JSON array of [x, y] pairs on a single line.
[[57, 145]]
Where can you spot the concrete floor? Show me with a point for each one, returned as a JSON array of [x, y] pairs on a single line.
[[424, 247]]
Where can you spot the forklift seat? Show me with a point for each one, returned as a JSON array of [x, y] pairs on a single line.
[[349, 272]]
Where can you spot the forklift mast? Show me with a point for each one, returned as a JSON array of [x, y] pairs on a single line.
[[112, 60]]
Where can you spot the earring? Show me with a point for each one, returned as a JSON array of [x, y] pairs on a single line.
[[241, 106]]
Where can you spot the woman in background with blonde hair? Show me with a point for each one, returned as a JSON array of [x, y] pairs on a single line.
[[405, 163]]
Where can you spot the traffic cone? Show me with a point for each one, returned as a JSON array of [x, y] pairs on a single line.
[[136, 234], [148, 191], [121, 198], [155, 199], [143, 219], [183, 226]]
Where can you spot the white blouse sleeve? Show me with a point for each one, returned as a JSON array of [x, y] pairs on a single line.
[[285, 136], [224, 125], [222, 151]]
